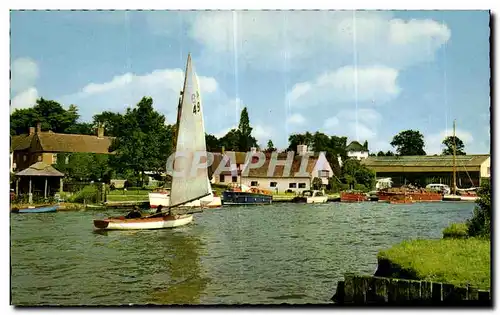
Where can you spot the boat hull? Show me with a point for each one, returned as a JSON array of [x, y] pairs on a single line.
[[415, 196], [310, 200], [159, 198], [245, 198], [352, 197], [37, 210], [121, 223]]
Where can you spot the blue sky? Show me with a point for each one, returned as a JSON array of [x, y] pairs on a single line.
[[367, 75]]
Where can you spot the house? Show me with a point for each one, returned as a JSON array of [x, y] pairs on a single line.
[[278, 180], [431, 169], [356, 150], [44, 146], [234, 160]]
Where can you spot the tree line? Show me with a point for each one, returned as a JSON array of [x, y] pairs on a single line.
[[143, 141]]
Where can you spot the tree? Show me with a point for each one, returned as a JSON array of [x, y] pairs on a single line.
[[144, 142], [353, 173], [389, 153], [246, 140], [50, 114], [448, 142], [212, 142], [380, 153], [317, 183], [365, 145], [112, 122], [231, 140], [409, 142], [480, 223], [84, 166], [270, 146], [295, 139]]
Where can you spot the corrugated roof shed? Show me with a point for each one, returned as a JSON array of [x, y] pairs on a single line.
[[423, 163]]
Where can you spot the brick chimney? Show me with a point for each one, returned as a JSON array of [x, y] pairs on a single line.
[[301, 149], [32, 131], [38, 127], [100, 132]]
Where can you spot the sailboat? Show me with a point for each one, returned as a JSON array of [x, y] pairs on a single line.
[[458, 194], [185, 188]]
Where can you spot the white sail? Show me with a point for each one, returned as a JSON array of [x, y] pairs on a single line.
[[191, 184]]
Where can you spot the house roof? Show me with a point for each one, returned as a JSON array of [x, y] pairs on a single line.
[[425, 161], [61, 142], [40, 169], [279, 169], [355, 146]]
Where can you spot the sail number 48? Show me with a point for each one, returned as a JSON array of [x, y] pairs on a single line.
[[195, 98]]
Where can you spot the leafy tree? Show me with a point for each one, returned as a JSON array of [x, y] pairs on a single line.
[[389, 153], [270, 146], [231, 140], [144, 142], [448, 142], [111, 122], [50, 114], [365, 145], [353, 172], [380, 153], [317, 183], [480, 223], [84, 166], [212, 142], [82, 129], [409, 142], [246, 140], [295, 139]]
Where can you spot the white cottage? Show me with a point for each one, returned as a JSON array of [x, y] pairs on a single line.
[[357, 151]]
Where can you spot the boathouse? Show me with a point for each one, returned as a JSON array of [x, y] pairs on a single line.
[[427, 169], [27, 149]]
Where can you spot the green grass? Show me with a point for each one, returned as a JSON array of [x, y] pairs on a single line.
[[127, 197], [128, 192], [455, 230], [455, 261]]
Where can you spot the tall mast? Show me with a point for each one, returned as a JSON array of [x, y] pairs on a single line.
[[454, 184], [181, 99]]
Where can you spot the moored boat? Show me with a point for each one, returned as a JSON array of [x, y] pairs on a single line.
[[34, 209], [162, 198], [311, 196], [242, 195], [353, 196], [417, 195]]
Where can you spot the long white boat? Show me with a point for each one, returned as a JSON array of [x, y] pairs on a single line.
[[162, 198], [190, 139]]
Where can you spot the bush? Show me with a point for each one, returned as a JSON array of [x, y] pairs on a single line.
[[480, 223], [360, 187], [455, 230], [88, 194]]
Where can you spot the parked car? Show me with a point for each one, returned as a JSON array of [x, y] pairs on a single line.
[[445, 189]]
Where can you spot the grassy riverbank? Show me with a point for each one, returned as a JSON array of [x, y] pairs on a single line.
[[455, 261]]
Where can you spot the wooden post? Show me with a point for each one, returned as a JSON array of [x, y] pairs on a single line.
[[17, 187], [45, 191], [61, 185], [30, 195]]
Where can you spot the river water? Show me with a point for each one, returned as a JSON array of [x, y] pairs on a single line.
[[281, 253]]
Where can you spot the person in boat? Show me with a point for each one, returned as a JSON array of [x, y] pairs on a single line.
[[134, 214]]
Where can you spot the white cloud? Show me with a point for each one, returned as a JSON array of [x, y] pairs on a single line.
[[296, 119], [163, 85], [433, 142], [265, 38], [262, 134], [24, 73], [25, 99], [375, 84], [345, 123]]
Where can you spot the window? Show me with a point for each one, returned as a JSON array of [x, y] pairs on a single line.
[[24, 158], [292, 185], [221, 178], [54, 158], [273, 184], [235, 179], [254, 183], [302, 185], [324, 173]]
